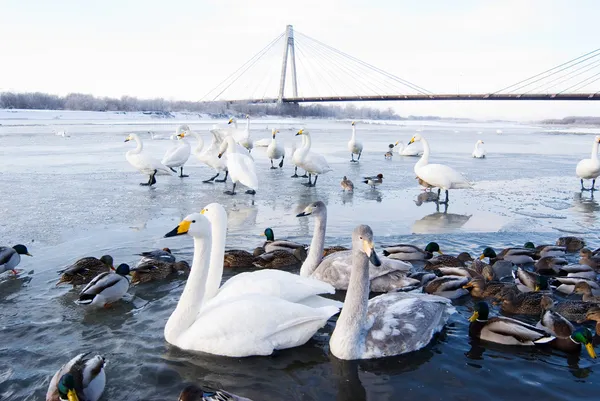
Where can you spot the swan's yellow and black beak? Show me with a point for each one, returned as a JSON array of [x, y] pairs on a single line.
[[220, 155], [353, 123], [301, 132], [412, 140], [590, 349], [306, 212], [230, 121], [128, 139], [396, 144], [72, 395], [182, 135], [181, 229], [474, 316], [368, 247]]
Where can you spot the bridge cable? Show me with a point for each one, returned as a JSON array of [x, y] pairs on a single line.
[[324, 70], [589, 83], [588, 67]]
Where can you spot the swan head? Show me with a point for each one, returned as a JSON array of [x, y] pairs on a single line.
[[131, 137], [195, 224], [247, 116], [597, 138], [362, 240], [415, 138], [302, 132], [317, 208], [353, 123], [232, 120], [215, 213], [480, 142], [182, 128], [274, 132]]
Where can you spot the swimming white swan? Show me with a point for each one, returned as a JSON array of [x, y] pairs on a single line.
[[242, 136], [335, 268], [314, 163], [437, 175], [145, 163], [410, 150], [479, 152], [354, 146], [589, 169], [250, 324], [179, 153], [210, 155], [240, 166], [386, 325], [277, 283], [275, 150]]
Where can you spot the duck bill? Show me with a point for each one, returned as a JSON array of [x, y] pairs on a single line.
[[482, 257], [440, 252], [468, 285], [181, 229], [536, 288], [373, 258], [28, 254], [474, 316], [72, 396], [590, 349]]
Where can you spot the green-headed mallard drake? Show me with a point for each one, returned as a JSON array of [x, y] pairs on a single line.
[[583, 288], [550, 264], [567, 338], [195, 393], [530, 281], [588, 258], [80, 379], [522, 303], [575, 311], [84, 270], [447, 286], [504, 330], [152, 270], [571, 244], [410, 252], [239, 258], [480, 288], [279, 258], [106, 288], [11, 257], [271, 245], [518, 256], [448, 261], [333, 249]]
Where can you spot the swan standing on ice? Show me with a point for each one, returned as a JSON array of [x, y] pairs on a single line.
[[243, 137], [275, 151], [295, 158], [179, 154], [354, 146], [479, 152], [314, 163], [209, 156], [145, 164], [437, 175], [589, 169], [240, 166]]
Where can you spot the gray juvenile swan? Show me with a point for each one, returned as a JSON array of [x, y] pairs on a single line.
[[389, 324], [335, 268]]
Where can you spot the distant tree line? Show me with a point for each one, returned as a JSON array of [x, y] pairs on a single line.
[[80, 101], [574, 120]]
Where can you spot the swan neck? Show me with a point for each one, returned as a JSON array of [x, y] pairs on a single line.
[[140, 145], [595, 150], [307, 142], [353, 133], [217, 253], [190, 301], [200, 145], [317, 244], [425, 157]]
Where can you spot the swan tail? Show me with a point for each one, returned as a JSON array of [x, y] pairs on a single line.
[[328, 311], [317, 301]]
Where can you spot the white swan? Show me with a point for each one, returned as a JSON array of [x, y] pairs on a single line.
[[277, 283], [275, 150], [210, 155], [386, 325], [354, 146], [589, 169], [240, 166], [314, 163], [437, 175], [250, 324], [179, 153], [295, 157], [479, 152], [145, 164], [335, 268], [242, 136], [410, 150]]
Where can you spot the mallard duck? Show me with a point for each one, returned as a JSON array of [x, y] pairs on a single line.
[[480, 288], [333, 249], [580, 271], [106, 288], [546, 250], [450, 287], [593, 314], [518, 256], [163, 255], [425, 184], [446, 260], [11, 257], [571, 244], [482, 269], [567, 284], [347, 185], [567, 338], [373, 181], [523, 303], [530, 281], [504, 330], [279, 258], [424, 277], [271, 245], [456, 271], [588, 258], [575, 311], [550, 264], [596, 252], [585, 289], [80, 379], [410, 252], [152, 270], [85, 269], [239, 258], [195, 393]]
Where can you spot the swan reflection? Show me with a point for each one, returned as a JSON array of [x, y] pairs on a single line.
[[440, 222]]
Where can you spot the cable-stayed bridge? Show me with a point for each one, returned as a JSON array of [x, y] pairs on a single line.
[[296, 68]]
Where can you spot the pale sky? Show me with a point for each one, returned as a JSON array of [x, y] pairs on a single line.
[[181, 49]]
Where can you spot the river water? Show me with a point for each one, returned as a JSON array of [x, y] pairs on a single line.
[[69, 197]]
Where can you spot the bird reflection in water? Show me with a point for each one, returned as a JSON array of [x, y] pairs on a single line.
[[439, 222]]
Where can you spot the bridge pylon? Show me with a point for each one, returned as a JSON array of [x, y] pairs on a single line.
[[288, 52]]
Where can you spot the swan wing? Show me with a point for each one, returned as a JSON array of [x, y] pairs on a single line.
[[178, 156], [241, 167], [314, 163], [442, 176], [147, 164]]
